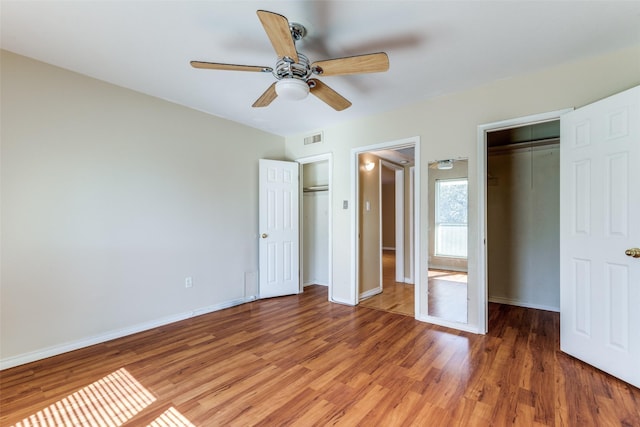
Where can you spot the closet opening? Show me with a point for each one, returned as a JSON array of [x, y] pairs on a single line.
[[523, 215], [315, 216]]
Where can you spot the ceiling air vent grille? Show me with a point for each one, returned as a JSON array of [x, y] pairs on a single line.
[[313, 139]]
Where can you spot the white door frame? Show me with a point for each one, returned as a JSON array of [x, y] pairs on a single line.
[[328, 157], [481, 274], [355, 253], [412, 241], [399, 221]]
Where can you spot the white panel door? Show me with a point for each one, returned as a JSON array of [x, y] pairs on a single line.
[[278, 228], [599, 221]]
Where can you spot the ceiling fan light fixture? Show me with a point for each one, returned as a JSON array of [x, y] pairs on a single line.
[[293, 70], [292, 89]]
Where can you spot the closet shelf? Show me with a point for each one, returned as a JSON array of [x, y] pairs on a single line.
[[524, 145]]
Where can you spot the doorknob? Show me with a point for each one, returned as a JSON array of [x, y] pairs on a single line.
[[265, 235], [633, 252]]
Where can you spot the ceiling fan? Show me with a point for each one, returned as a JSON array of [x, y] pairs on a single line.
[[293, 70]]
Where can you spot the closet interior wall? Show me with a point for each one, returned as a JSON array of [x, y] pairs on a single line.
[[315, 231], [523, 221]]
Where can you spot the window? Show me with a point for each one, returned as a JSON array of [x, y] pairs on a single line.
[[451, 218]]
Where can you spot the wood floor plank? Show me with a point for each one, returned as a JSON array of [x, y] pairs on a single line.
[[301, 360]]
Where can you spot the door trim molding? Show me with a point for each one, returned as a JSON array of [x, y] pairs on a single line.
[[412, 229], [481, 249]]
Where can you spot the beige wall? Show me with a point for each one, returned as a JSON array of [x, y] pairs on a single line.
[[447, 127], [316, 173], [369, 236], [110, 198], [389, 215]]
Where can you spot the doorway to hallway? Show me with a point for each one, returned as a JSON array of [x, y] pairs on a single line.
[[367, 245]]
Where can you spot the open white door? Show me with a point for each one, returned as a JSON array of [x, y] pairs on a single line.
[[278, 228], [599, 207]]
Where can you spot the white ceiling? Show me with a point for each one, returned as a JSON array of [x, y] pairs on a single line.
[[434, 47]]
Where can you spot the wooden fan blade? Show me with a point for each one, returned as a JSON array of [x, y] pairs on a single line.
[[370, 63], [229, 67], [328, 95], [267, 97], [277, 28]]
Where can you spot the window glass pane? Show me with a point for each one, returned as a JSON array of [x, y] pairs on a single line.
[[451, 241], [452, 201], [451, 218]]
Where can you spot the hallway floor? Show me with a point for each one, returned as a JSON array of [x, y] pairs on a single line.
[[447, 293]]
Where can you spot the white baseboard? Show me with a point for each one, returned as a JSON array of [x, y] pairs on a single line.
[[370, 293], [509, 301], [55, 350], [315, 282], [387, 248], [408, 280], [448, 324], [446, 268], [341, 301]]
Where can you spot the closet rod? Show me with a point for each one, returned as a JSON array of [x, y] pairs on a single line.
[[315, 188]]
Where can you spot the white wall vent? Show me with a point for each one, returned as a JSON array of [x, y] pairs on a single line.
[[313, 139]]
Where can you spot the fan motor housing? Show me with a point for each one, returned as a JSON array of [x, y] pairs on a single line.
[[298, 31], [285, 69]]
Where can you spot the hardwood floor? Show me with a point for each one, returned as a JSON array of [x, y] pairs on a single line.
[[301, 360], [396, 297]]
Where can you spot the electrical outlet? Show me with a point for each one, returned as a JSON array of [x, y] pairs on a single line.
[[188, 282]]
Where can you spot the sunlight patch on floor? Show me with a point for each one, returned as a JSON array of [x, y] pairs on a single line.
[[451, 276], [171, 418], [110, 401]]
